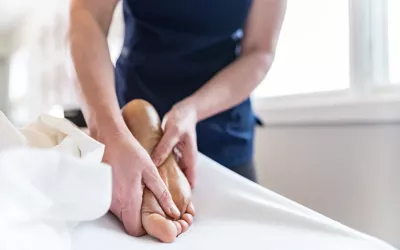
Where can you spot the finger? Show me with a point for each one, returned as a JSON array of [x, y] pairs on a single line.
[[165, 147], [156, 185], [131, 215], [188, 161]]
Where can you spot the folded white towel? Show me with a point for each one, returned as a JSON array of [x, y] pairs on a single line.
[[51, 178]]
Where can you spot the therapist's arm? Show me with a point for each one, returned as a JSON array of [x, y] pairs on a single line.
[[131, 165], [235, 83], [89, 24], [226, 89]]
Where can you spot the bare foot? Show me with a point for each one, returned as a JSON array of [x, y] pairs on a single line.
[[144, 123]]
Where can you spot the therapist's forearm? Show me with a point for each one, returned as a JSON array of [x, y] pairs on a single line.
[[235, 83], [231, 86], [95, 74]]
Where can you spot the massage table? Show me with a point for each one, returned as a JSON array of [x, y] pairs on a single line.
[[234, 213], [231, 212]]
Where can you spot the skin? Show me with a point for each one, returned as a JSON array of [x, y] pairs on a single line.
[[143, 122], [132, 167], [226, 89], [89, 24]]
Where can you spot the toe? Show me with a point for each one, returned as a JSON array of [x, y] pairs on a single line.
[[129, 219], [188, 218], [184, 224], [190, 209], [159, 227], [178, 227]]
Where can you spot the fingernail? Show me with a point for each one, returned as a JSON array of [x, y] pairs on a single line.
[[175, 212], [156, 161]]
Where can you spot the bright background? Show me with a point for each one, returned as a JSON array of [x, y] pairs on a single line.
[[313, 51], [331, 102]]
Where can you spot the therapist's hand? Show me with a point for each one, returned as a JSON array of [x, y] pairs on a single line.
[[132, 169], [179, 126]]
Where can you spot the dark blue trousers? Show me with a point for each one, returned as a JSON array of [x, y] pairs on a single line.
[[246, 170]]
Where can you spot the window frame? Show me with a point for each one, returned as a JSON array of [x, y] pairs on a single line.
[[370, 98]]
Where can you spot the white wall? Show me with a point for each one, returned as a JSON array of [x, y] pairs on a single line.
[[4, 84], [5, 43], [348, 172], [4, 54]]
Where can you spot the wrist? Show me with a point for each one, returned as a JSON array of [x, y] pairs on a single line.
[[190, 105], [107, 128]]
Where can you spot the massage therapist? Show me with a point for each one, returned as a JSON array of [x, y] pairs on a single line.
[[196, 61]]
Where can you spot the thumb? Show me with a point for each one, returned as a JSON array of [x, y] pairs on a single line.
[[164, 147], [153, 181]]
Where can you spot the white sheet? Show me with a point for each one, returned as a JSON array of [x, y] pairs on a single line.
[[49, 188], [233, 213]]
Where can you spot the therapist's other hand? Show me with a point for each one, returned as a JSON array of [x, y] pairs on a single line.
[[132, 169], [179, 126]]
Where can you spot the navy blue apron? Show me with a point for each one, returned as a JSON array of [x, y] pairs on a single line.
[[171, 49]]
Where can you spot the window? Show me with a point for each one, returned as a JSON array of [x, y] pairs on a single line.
[[115, 46], [336, 46], [313, 50], [18, 76], [18, 85], [116, 33], [394, 40]]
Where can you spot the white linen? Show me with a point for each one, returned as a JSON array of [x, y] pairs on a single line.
[[43, 192], [233, 213], [51, 178]]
